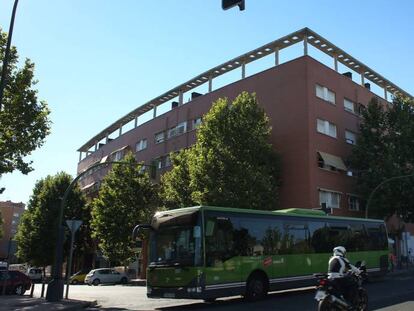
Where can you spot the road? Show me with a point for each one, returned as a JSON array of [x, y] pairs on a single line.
[[392, 293]]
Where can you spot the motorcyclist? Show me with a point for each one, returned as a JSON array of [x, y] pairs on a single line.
[[338, 271]]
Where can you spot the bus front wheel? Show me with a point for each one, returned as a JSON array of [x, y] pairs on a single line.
[[256, 287]]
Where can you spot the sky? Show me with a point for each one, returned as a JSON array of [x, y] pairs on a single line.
[[96, 60]]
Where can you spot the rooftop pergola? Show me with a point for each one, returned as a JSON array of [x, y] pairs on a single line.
[[305, 35]]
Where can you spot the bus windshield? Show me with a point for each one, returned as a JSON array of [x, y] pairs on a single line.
[[176, 244]]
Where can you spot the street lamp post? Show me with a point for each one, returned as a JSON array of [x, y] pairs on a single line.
[[7, 54], [55, 287], [379, 186]]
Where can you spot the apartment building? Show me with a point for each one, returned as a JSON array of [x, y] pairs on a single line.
[[11, 213], [314, 110]]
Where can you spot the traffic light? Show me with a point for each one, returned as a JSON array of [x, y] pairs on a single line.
[[227, 4]]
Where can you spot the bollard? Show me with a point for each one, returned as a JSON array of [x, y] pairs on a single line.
[[43, 289], [32, 290]]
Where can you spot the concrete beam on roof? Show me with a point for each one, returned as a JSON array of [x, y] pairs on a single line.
[[305, 34]]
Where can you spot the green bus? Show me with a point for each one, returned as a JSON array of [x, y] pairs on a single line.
[[207, 252]]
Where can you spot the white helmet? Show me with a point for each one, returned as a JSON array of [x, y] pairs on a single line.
[[339, 251]]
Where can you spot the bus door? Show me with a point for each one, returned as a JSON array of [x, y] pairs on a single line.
[[222, 261]]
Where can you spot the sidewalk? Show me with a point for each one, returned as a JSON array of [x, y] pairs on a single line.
[[13, 302]]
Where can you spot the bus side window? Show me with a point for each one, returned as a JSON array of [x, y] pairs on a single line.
[[359, 240], [219, 240], [319, 234], [376, 236], [258, 237], [339, 234], [296, 238]]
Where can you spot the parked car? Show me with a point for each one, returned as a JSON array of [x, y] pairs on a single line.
[[3, 265], [78, 277], [35, 274], [105, 275], [16, 282]]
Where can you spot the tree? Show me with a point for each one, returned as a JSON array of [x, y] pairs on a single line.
[[175, 191], [232, 163], [37, 233], [126, 198], [384, 150], [24, 122]]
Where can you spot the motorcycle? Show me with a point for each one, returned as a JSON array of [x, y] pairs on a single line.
[[330, 298]]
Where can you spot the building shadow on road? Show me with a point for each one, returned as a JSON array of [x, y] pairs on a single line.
[[299, 299]]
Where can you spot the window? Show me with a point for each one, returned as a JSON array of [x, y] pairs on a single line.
[[168, 161], [220, 239], [350, 137], [118, 155], [258, 237], [327, 128], [349, 105], [172, 132], [296, 240], [104, 271], [177, 130], [159, 137], [339, 234], [196, 123], [377, 238], [181, 128], [325, 94], [17, 215], [353, 203], [319, 234], [332, 199], [141, 145], [361, 109], [159, 163], [358, 239]]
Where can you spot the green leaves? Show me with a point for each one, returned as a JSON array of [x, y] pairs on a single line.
[[232, 163], [384, 149], [24, 121], [126, 198], [37, 232]]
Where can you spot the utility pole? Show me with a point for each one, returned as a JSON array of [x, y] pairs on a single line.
[[7, 54]]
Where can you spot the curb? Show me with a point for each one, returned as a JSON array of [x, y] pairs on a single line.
[[138, 282]]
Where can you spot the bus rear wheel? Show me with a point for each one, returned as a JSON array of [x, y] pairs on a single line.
[[256, 288]]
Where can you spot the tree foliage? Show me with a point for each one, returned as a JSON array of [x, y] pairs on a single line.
[[384, 150], [175, 191], [24, 122], [232, 163], [126, 198], [37, 232]]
